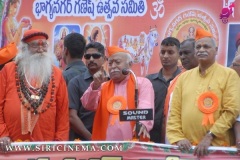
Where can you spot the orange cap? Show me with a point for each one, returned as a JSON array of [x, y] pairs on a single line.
[[115, 49], [8, 52], [201, 33], [33, 34]]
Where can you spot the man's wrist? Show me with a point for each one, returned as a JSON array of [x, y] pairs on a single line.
[[211, 134], [95, 86]]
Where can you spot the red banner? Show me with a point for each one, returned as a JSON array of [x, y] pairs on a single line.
[[136, 25], [117, 150]]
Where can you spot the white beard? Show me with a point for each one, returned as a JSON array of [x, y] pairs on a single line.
[[36, 67]]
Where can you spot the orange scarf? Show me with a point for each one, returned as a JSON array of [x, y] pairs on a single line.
[[166, 104], [101, 118], [169, 92]]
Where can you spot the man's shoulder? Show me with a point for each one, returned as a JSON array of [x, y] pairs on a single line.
[[152, 76], [9, 67], [190, 71], [81, 78], [57, 73], [57, 70], [10, 64], [74, 70], [224, 70], [77, 79]]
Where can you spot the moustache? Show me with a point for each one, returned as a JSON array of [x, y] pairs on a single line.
[[114, 70], [202, 54], [91, 63]]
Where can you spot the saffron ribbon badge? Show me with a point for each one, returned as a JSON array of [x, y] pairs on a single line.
[[208, 104], [115, 104]]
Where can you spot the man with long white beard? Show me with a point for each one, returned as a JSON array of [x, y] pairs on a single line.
[[33, 97]]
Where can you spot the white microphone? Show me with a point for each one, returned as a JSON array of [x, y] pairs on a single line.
[[125, 71]]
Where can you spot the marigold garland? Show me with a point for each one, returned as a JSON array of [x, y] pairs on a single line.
[[19, 140]]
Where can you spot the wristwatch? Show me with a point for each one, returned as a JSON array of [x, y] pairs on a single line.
[[210, 133]]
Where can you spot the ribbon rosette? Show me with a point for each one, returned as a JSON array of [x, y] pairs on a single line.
[[115, 104], [208, 104]]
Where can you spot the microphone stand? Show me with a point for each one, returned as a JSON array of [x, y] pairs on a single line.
[[136, 102]]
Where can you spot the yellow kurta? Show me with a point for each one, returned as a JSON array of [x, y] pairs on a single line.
[[185, 119]]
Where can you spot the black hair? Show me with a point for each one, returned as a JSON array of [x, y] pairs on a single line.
[[171, 41], [75, 44], [97, 46]]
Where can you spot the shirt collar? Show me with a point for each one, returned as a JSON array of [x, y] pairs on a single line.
[[77, 62], [210, 69], [87, 75], [160, 74]]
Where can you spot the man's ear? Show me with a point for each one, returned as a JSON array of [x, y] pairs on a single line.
[[216, 50], [65, 51]]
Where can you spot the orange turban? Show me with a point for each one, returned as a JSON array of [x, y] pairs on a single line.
[[8, 52], [201, 33], [33, 34], [115, 49]]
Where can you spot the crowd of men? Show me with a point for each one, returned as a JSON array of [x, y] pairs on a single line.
[[195, 104]]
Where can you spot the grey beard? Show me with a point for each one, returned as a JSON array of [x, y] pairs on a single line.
[[35, 67]]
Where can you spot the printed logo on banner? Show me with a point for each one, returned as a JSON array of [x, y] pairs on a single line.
[[184, 25], [227, 10]]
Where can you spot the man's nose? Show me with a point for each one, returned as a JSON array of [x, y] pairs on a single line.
[[41, 49], [201, 49], [166, 55], [114, 65], [182, 56], [91, 58]]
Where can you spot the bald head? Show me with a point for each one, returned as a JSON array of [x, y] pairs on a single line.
[[187, 54]]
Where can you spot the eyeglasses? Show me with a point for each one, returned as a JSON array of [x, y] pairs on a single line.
[[94, 55], [236, 65], [37, 45]]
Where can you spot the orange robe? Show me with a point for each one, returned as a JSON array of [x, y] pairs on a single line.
[[52, 125]]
